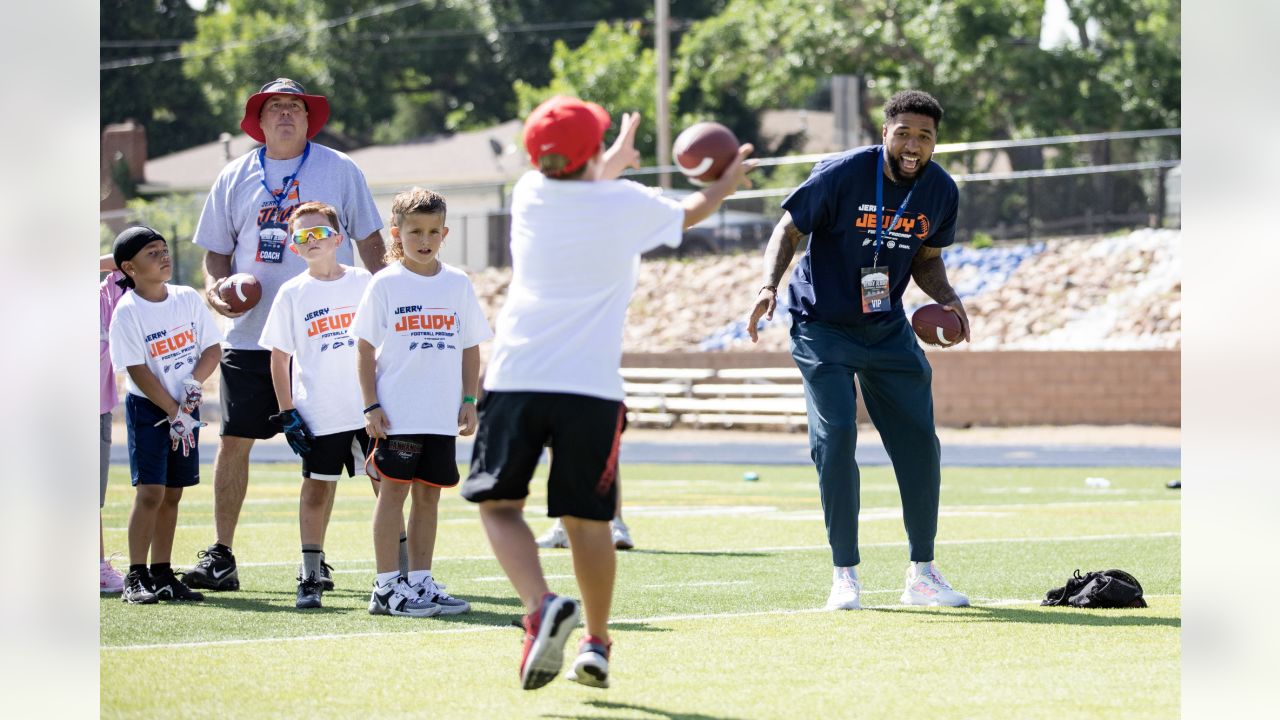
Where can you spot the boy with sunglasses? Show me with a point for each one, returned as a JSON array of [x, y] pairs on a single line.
[[320, 411]]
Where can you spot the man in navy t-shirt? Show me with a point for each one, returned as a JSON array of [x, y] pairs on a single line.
[[875, 216]]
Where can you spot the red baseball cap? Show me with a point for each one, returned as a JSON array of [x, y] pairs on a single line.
[[565, 126], [317, 108]]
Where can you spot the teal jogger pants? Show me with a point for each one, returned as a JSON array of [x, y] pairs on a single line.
[[897, 388]]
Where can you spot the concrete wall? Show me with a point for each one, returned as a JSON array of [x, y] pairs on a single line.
[[1016, 387]]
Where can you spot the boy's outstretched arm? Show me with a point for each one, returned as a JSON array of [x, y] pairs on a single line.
[[622, 154], [700, 205]]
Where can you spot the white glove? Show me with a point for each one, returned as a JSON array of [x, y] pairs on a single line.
[[182, 431], [192, 395]]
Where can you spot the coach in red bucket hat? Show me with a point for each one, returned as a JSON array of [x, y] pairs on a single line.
[[568, 127], [317, 108]]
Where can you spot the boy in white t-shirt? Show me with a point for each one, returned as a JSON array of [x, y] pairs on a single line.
[[166, 341], [577, 233], [418, 327], [319, 400]]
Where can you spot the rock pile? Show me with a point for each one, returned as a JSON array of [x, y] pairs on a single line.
[[1115, 292]]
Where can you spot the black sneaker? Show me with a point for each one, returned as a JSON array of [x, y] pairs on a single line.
[[137, 590], [216, 570], [309, 592], [326, 574], [169, 587]]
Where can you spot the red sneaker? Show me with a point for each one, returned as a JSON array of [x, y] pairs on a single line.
[[545, 633]]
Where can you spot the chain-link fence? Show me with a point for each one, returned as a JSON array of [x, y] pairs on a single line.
[[1010, 190]]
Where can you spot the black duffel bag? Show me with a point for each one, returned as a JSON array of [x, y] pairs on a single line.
[[1104, 589]]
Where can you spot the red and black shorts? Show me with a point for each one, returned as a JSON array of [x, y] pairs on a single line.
[[415, 458], [583, 432]]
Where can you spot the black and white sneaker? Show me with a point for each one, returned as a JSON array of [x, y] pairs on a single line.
[[169, 587], [400, 599], [326, 574], [309, 592], [216, 570], [137, 590], [434, 591]]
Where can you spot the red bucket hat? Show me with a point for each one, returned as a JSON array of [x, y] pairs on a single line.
[[317, 108], [565, 126]]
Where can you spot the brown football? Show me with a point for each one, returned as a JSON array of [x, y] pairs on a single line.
[[936, 325], [240, 291], [704, 150]]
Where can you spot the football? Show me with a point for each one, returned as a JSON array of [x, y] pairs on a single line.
[[703, 151], [240, 291], [936, 325]]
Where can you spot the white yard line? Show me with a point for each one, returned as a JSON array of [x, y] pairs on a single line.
[[792, 548], [769, 513], [506, 628]]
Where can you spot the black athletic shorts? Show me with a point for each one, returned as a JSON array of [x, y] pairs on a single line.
[[331, 454], [583, 433], [426, 459], [248, 398]]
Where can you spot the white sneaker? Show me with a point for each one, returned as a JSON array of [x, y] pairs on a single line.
[[621, 534], [556, 537], [846, 591], [926, 586], [400, 599]]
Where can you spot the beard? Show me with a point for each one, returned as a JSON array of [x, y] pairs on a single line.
[[898, 175]]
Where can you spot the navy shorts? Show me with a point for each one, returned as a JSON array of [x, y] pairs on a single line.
[[584, 434], [247, 397], [333, 453], [151, 461], [420, 458]]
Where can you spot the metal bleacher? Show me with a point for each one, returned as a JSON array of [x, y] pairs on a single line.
[[701, 397]]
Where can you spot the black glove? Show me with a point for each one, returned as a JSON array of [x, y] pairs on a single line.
[[295, 430]]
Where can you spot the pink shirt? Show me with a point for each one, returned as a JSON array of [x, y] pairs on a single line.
[[108, 295]]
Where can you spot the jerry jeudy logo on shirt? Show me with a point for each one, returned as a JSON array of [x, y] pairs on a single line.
[[413, 318], [166, 342], [324, 321]]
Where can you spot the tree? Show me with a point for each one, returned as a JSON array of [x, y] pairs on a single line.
[[980, 57], [417, 69], [155, 94], [612, 68]]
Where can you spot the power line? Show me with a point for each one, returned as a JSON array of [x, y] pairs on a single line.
[[326, 25], [377, 36]]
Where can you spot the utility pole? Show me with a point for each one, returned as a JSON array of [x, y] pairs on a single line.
[[662, 42]]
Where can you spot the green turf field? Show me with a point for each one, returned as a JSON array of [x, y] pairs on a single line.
[[717, 613]]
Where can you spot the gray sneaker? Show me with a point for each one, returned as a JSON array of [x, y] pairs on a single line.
[[449, 605], [400, 599]]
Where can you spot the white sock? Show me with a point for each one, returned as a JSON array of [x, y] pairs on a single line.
[[417, 576], [387, 578], [850, 571], [919, 567]]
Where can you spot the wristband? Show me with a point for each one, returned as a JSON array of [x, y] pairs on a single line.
[[771, 288], [469, 399], [372, 407]]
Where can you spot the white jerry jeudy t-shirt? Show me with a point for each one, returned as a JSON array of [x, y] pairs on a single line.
[[311, 320], [575, 255], [238, 206], [166, 336], [420, 325]]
